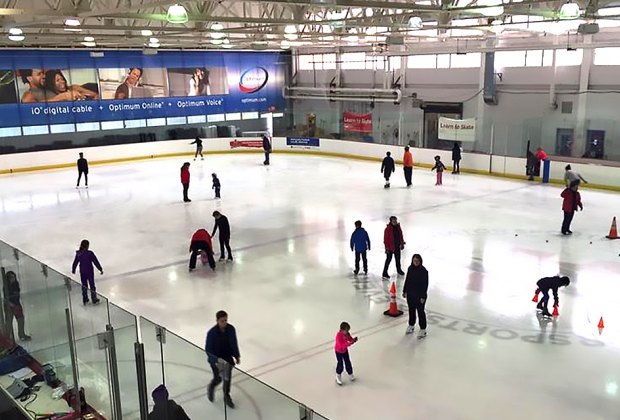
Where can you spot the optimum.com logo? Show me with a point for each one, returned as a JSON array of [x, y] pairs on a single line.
[[253, 79]]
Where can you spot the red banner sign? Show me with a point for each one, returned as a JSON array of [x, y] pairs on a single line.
[[359, 123], [246, 143]]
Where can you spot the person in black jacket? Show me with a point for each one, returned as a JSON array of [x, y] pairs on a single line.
[[387, 168], [223, 353], [415, 291], [82, 166], [165, 409], [266, 148], [550, 283], [456, 158], [13, 306], [198, 143], [221, 222]]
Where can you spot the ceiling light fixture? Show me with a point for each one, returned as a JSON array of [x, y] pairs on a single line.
[[569, 11], [16, 37], [217, 35], [290, 29], [72, 22], [177, 14], [217, 27], [609, 11], [89, 39], [89, 44], [291, 37], [146, 32], [285, 45], [495, 7], [153, 41], [15, 31], [217, 41], [415, 22], [369, 12]]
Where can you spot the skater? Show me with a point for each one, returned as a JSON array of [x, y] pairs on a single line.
[[216, 185], [86, 259], [530, 164], [82, 167], [440, 167], [223, 353], [541, 156], [185, 181], [221, 222], [13, 306], [360, 243], [198, 143], [572, 178], [164, 408], [394, 242], [266, 148], [343, 341], [550, 283], [456, 158], [387, 167], [570, 204], [201, 241], [408, 165], [415, 291]]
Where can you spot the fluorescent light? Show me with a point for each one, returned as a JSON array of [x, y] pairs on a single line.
[[609, 11], [89, 44], [153, 41], [217, 27], [217, 35], [89, 38], [216, 41], [154, 44], [146, 32], [177, 14], [285, 45], [495, 7], [227, 46], [16, 38], [72, 22], [291, 37], [73, 29], [290, 29], [15, 31], [369, 12], [415, 22], [569, 11]]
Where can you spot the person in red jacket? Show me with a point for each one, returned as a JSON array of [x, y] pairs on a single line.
[[572, 201], [201, 241], [394, 242], [185, 181]]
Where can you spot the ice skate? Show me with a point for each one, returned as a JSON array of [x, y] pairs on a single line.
[[222, 259], [422, 334], [546, 314], [409, 330], [352, 377], [401, 273], [355, 272], [339, 379], [386, 276]]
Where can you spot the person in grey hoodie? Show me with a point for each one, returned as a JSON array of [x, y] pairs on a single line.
[[86, 259]]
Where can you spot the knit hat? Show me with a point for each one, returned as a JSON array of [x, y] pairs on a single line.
[[160, 393]]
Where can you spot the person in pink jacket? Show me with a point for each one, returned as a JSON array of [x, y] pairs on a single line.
[[343, 341]]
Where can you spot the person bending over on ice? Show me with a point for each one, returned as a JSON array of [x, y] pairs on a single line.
[[550, 283], [387, 168], [201, 241]]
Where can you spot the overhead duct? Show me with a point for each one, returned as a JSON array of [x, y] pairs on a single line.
[[343, 94]]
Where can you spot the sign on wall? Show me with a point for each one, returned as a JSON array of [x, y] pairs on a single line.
[[358, 123], [60, 87], [457, 130], [303, 142]]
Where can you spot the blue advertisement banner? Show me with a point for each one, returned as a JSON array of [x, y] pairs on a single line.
[[60, 87], [303, 142]]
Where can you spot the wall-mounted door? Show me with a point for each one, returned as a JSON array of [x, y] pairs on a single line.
[[432, 112], [564, 141]]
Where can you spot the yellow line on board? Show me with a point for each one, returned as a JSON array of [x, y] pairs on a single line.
[[291, 151]]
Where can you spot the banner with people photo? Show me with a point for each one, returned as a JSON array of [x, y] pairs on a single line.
[[57, 87]]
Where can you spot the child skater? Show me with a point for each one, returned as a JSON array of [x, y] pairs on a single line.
[[343, 341], [216, 185], [185, 181], [546, 284], [439, 166], [86, 259]]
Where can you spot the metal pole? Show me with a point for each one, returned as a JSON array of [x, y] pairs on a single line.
[[72, 355], [142, 386], [491, 150], [116, 389]]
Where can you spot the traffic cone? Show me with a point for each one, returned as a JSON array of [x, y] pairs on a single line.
[[535, 298], [555, 311], [393, 310], [613, 231], [601, 324]]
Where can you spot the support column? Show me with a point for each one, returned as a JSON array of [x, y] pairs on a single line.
[[579, 143]]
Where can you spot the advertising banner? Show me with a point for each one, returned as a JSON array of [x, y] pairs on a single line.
[[359, 123], [58, 87], [258, 144], [302, 142], [457, 130]]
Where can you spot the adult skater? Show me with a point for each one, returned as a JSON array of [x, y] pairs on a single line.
[[570, 204], [86, 259], [360, 243], [530, 165], [198, 143], [164, 408], [266, 148], [572, 178], [223, 353], [456, 158], [82, 167], [387, 167], [415, 291], [550, 283], [13, 306], [185, 181], [221, 223], [408, 165], [201, 241], [394, 242]]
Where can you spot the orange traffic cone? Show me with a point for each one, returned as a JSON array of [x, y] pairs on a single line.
[[601, 324], [393, 310], [555, 311], [535, 298], [613, 231]]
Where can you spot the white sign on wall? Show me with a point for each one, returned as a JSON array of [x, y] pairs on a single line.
[[457, 130]]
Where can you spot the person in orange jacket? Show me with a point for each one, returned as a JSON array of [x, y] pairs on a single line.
[[408, 165], [572, 201], [201, 241]]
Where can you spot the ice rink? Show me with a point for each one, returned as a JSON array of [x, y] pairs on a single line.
[[485, 242]]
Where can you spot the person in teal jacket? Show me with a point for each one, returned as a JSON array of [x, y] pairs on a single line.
[[360, 243]]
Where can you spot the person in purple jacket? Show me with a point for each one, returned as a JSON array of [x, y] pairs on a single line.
[[86, 259]]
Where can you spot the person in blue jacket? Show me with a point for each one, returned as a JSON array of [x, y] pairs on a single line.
[[360, 243], [223, 353], [86, 259]]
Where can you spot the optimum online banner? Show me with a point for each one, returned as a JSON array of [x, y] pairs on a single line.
[[58, 87]]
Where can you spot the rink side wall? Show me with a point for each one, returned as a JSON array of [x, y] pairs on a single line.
[[599, 176]]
